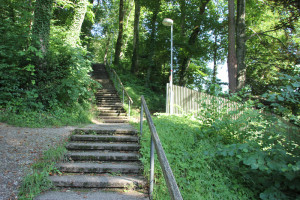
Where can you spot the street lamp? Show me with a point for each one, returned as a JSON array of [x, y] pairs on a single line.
[[169, 22]]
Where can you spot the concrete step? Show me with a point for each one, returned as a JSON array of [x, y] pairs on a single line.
[[97, 181], [108, 98], [107, 91], [102, 146], [106, 131], [113, 106], [107, 94], [114, 114], [105, 138], [102, 156], [115, 120], [113, 117], [109, 104], [108, 167], [93, 195], [112, 101], [116, 108]]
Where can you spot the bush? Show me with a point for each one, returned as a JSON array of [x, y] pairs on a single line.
[[59, 94], [258, 147]]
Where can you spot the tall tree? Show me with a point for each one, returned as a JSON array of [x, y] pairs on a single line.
[[80, 9], [120, 34], [155, 7], [231, 61], [241, 43], [41, 25], [215, 54], [135, 54], [192, 40]]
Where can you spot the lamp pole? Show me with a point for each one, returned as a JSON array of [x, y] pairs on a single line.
[[169, 22]]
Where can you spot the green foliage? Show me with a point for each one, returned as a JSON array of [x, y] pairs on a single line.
[[284, 98], [136, 87], [43, 79], [56, 92], [227, 153], [37, 181], [258, 147], [198, 175]]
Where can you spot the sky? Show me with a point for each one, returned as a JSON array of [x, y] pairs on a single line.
[[222, 74]]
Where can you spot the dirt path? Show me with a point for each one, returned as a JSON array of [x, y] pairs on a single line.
[[19, 148]]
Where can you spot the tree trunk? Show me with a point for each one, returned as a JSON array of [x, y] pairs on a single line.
[[76, 23], [231, 62], [41, 23], [135, 53], [241, 44], [120, 35], [192, 40], [106, 49], [41, 28], [152, 44], [214, 78], [182, 4], [128, 10]]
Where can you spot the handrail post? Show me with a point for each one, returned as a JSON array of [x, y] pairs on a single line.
[[151, 168], [123, 96], [141, 119], [129, 108]]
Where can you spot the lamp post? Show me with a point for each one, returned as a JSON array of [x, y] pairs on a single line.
[[169, 22]]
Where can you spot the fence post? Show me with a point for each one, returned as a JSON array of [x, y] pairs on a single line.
[[167, 99], [151, 168], [141, 119]]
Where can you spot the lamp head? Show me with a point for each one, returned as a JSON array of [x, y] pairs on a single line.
[[167, 22]]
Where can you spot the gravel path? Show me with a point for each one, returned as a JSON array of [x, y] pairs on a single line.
[[19, 148]]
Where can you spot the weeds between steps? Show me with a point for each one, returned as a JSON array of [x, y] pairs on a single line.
[[37, 181]]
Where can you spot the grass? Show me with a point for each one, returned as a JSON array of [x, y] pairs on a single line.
[[37, 181], [54, 118], [198, 175]]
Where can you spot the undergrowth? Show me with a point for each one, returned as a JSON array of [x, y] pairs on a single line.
[[198, 175], [242, 154], [37, 181], [74, 115]]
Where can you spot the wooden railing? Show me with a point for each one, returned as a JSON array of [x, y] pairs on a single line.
[[163, 161], [119, 87]]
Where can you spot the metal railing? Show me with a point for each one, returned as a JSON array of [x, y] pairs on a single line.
[[120, 87], [163, 161]]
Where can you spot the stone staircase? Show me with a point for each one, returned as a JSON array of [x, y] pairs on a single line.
[[108, 101], [102, 161]]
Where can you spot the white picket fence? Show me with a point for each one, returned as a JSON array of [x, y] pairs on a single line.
[[187, 101]]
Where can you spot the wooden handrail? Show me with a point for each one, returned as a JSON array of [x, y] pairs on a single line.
[[163, 161]]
